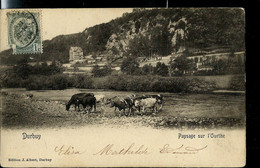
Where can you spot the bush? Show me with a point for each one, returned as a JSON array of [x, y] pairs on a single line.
[[156, 84], [238, 82], [57, 82], [36, 83], [120, 82], [130, 66], [100, 83], [139, 83], [10, 80], [54, 82], [83, 81], [161, 69], [117, 82], [99, 72]]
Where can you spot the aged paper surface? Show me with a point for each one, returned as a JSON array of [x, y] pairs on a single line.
[[123, 87]]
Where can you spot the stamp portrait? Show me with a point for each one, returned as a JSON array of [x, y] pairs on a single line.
[[24, 33]]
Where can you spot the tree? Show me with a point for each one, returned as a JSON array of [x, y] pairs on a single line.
[[54, 68], [130, 66], [161, 69], [139, 46], [147, 69], [99, 72], [106, 70], [182, 65], [96, 71], [23, 69], [219, 66], [44, 69], [224, 27], [160, 40]]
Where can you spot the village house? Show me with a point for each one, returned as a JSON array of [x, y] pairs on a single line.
[[201, 59], [76, 53]]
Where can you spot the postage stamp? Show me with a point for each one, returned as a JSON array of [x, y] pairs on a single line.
[[24, 33]]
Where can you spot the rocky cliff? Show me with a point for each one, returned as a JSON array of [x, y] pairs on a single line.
[[149, 32]]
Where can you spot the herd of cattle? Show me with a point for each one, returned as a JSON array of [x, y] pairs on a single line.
[[130, 103]]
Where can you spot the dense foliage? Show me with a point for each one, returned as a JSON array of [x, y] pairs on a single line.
[[99, 72], [118, 82], [22, 73], [146, 78], [182, 65], [238, 83], [130, 66]]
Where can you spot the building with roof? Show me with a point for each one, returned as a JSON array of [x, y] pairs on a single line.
[[199, 60], [76, 53]]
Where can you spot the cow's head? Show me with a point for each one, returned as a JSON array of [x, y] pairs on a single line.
[[67, 107], [159, 98], [106, 101], [112, 104]]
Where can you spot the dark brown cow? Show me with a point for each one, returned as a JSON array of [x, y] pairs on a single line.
[[76, 98], [88, 101], [122, 104]]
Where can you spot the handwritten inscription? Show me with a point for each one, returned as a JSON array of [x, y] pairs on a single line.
[[129, 150], [69, 150], [181, 149], [132, 149]]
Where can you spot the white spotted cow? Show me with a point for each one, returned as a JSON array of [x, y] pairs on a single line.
[[146, 103]]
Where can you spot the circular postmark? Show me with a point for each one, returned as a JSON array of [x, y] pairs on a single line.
[[23, 29]]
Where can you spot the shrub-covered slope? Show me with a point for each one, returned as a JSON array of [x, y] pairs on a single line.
[[142, 32]]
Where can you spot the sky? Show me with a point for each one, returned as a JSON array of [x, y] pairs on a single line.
[[56, 22]]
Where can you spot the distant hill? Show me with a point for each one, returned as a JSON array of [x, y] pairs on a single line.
[[147, 32]]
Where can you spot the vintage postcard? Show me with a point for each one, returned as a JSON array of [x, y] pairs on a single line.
[[123, 87]]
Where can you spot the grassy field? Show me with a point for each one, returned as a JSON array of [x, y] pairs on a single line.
[[47, 109]]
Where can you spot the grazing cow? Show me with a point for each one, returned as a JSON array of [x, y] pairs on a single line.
[[76, 98], [122, 104], [109, 100], [88, 101], [100, 98], [145, 103], [159, 98], [130, 101]]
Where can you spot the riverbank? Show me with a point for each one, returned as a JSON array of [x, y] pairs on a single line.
[[46, 109]]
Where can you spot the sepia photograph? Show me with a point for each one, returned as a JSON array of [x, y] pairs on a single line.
[[156, 72]]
